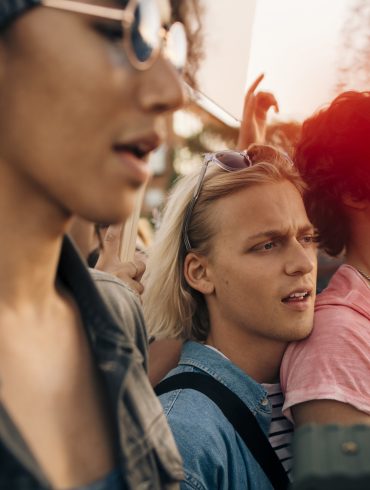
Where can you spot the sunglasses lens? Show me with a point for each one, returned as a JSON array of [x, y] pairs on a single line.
[[232, 160], [176, 46], [145, 30]]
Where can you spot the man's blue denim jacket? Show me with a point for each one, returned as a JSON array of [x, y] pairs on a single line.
[[214, 455]]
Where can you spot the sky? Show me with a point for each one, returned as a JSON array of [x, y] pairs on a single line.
[[296, 43]]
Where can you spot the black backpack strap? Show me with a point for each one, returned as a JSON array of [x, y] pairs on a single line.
[[239, 416]]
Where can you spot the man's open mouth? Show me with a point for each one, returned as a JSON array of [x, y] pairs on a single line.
[[297, 296]]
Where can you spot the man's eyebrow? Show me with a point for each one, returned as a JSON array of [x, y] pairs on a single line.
[[267, 234], [281, 232]]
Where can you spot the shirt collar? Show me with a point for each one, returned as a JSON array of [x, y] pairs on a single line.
[[216, 365], [76, 277]]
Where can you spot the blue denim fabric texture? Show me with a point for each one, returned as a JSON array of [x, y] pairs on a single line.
[[146, 452], [214, 455]]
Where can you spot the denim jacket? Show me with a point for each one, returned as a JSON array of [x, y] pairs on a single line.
[[146, 450], [214, 455]]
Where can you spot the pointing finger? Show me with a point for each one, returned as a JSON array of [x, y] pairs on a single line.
[[255, 84], [112, 239]]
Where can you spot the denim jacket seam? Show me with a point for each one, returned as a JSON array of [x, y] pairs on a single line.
[[194, 482], [172, 400]]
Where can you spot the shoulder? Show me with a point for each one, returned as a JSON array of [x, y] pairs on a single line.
[[125, 307], [197, 408], [341, 321], [339, 339], [338, 330], [112, 288], [202, 434], [332, 363], [347, 289], [205, 438]]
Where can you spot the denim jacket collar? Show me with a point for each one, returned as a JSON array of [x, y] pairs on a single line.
[[216, 365], [107, 339]]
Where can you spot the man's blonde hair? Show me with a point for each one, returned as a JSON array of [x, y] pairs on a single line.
[[172, 308]]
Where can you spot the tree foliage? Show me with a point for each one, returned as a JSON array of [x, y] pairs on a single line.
[[354, 52]]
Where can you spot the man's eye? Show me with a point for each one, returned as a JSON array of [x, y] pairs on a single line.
[[308, 239], [265, 247], [112, 32], [269, 245]]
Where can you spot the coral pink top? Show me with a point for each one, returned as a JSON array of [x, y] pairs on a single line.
[[333, 363]]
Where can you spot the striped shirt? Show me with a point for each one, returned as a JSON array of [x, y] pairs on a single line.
[[281, 429]]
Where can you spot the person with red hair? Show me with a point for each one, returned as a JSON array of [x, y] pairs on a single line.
[[325, 377]]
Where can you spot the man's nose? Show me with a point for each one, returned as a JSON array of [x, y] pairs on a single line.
[[162, 88], [300, 260]]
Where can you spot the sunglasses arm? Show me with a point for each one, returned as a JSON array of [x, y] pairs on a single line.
[[126, 16]]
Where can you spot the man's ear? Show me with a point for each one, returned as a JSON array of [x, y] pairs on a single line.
[[351, 202], [196, 273]]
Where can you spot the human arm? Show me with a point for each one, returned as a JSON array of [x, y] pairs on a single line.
[[328, 412], [255, 109]]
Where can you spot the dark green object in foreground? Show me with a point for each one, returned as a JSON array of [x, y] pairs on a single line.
[[331, 457]]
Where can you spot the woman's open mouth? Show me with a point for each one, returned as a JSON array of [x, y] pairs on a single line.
[[134, 156]]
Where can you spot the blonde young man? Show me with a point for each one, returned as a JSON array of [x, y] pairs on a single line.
[[232, 271]]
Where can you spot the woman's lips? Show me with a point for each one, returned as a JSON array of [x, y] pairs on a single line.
[[135, 167], [134, 156]]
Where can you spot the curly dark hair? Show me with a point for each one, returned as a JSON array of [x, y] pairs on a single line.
[[190, 13], [333, 157]]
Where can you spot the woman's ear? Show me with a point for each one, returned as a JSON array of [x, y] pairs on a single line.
[[196, 273]]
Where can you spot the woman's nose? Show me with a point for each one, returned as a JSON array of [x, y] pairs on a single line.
[[162, 88]]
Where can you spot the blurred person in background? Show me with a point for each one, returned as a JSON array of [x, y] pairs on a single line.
[[232, 273], [83, 86], [99, 245], [325, 377]]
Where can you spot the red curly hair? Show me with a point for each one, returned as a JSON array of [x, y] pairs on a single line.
[[333, 158]]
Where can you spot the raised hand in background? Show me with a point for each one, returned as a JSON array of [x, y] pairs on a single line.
[[129, 272], [256, 106]]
